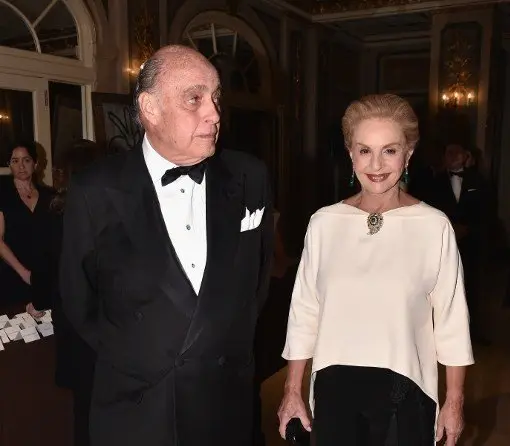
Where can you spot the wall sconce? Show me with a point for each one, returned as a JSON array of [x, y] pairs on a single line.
[[4, 117], [458, 96], [132, 71]]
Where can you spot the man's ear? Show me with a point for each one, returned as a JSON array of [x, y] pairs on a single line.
[[149, 108]]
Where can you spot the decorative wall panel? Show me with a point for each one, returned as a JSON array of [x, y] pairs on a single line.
[[404, 73], [459, 65], [338, 86]]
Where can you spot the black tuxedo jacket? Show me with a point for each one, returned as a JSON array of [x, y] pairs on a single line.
[[174, 368], [469, 211]]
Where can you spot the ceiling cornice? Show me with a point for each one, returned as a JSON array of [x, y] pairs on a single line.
[[424, 6], [367, 12], [285, 6], [397, 40]]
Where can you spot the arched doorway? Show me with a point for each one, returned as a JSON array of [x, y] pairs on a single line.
[[46, 75], [249, 110]]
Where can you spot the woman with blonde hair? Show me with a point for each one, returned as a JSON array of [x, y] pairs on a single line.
[[378, 301]]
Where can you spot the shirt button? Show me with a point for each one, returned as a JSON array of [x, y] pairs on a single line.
[[193, 265], [188, 227], [182, 191]]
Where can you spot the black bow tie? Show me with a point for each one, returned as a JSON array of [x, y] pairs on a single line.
[[459, 174], [195, 172]]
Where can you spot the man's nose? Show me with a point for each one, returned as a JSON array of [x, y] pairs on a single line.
[[212, 113]]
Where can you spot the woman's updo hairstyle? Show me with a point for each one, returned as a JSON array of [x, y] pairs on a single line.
[[381, 106]]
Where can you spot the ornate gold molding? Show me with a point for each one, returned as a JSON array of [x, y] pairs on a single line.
[[143, 33], [460, 64]]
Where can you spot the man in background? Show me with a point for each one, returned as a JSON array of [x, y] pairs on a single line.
[[460, 193]]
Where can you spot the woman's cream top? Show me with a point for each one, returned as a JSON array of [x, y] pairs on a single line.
[[393, 300]]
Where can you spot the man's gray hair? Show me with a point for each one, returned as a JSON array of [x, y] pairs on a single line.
[[146, 82]]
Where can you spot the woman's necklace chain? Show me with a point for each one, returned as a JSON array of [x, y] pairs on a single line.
[[26, 193]]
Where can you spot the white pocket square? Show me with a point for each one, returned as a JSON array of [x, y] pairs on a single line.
[[251, 220], [472, 190]]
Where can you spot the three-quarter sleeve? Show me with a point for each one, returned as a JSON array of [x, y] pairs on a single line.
[[451, 318], [304, 308]]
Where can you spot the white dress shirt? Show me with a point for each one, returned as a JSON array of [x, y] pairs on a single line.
[[183, 205], [456, 183]]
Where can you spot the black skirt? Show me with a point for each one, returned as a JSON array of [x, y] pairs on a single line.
[[15, 293], [365, 406]]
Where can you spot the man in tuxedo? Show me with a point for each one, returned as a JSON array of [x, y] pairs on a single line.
[[165, 265], [459, 193]]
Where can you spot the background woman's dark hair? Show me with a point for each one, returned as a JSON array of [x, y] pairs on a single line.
[[75, 157], [29, 145]]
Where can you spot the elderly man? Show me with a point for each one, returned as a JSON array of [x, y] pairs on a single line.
[[165, 264]]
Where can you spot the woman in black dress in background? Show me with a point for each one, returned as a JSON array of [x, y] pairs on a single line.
[[24, 220]]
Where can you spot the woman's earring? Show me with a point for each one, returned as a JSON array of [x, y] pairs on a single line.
[[351, 181], [405, 178]]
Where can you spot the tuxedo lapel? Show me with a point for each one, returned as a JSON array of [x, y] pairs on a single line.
[[448, 190], [137, 204], [467, 184], [224, 208]]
